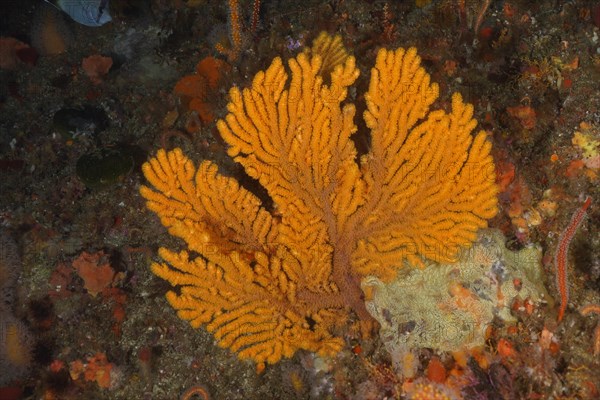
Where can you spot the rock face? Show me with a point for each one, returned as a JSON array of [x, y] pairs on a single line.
[[10, 268], [448, 307]]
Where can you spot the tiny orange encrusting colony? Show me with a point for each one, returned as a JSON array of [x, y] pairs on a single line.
[[267, 282]]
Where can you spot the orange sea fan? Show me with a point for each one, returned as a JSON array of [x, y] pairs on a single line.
[[267, 283]]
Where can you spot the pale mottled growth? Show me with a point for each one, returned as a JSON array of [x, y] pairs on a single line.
[[449, 306], [10, 268], [16, 344]]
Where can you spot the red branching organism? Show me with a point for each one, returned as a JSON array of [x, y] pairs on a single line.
[[562, 252]]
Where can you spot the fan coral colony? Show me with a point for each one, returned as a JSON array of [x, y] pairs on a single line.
[[270, 281]]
